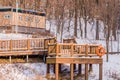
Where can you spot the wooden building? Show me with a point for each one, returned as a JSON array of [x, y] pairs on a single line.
[[21, 21]]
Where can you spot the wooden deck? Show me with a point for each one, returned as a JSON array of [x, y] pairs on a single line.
[[60, 53], [19, 47]]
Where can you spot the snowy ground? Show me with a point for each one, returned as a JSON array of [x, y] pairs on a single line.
[[37, 71], [14, 36]]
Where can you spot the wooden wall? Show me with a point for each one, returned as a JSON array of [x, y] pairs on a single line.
[[5, 21], [29, 20], [24, 19]]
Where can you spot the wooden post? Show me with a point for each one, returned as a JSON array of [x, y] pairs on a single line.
[[59, 68], [48, 71], [90, 68], [80, 69], [48, 49], [57, 71], [55, 40], [44, 43], [11, 45], [71, 49], [28, 44], [57, 46], [100, 71], [53, 68], [86, 48], [26, 58], [71, 71], [72, 55], [74, 66], [10, 59], [86, 71], [90, 65]]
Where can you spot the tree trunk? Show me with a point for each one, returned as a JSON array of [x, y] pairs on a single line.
[[85, 27], [75, 23], [81, 32], [97, 29]]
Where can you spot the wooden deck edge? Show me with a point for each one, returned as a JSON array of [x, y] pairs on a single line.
[[74, 60], [18, 53]]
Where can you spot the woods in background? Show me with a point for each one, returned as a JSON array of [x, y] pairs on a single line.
[[90, 11], [76, 13]]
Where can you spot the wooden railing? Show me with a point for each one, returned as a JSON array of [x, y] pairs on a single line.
[[71, 49], [69, 40], [49, 40], [25, 44]]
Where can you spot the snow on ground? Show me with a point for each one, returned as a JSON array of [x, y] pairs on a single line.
[[37, 71], [14, 36], [111, 69], [28, 71], [112, 48]]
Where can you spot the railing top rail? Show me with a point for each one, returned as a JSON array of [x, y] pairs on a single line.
[[27, 38], [94, 45], [65, 44]]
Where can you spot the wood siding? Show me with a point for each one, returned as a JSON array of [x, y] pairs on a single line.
[[29, 20], [24, 19], [5, 21]]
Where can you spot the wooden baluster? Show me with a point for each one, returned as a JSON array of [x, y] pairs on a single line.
[[10, 58], [91, 51], [28, 44], [71, 49], [11, 45], [80, 49], [57, 48], [86, 50], [28, 48], [45, 43]]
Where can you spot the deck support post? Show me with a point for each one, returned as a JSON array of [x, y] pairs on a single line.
[[53, 68], [86, 71], [90, 68], [75, 60], [48, 71], [60, 68], [27, 58], [74, 66], [57, 71], [10, 59], [100, 71], [71, 71], [80, 69]]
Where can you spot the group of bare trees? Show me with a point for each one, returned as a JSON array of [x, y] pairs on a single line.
[[79, 12], [90, 11], [38, 5]]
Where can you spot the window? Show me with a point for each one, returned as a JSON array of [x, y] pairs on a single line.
[[37, 20], [29, 19], [20, 18], [7, 16]]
